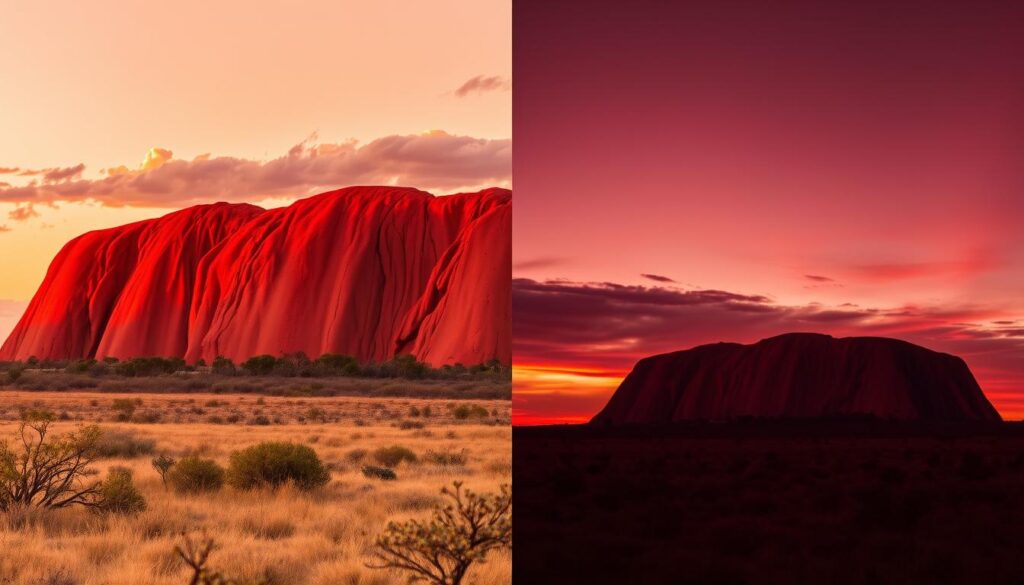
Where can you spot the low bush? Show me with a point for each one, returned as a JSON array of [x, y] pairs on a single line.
[[273, 464], [223, 366], [14, 374], [123, 443], [393, 455], [193, 474], [118, 494], [124, 407], [149, 366], [447, 457], [261, 365], [467, 411], [356, 455], [148, 417], [374, 472]]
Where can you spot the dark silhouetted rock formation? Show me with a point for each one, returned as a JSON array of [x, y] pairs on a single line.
[[799, 375]]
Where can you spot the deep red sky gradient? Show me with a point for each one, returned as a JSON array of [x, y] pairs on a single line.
[[825, 156]]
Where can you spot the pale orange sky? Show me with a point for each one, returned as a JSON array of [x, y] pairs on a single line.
[[101, 83]]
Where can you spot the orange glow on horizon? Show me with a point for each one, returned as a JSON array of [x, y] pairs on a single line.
[[554, 381], [540, 378], [551, 384]]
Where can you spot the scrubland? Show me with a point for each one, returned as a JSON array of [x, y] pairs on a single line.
[[282, 536]]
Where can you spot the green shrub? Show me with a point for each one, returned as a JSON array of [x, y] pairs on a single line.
[[149, 366], [118, 494], [393, 455], [374, 472], [80, 366], [275, 463], [261, 365], [331, 364], [194, 474], [404, 366], [406, 425], [223, 366]]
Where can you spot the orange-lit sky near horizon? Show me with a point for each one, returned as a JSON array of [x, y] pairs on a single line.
[[737, 170], [164, 104]]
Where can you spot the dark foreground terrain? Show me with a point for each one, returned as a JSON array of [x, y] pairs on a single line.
[[838, 502]]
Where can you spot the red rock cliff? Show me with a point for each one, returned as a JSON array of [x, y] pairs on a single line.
[[365, 271], [799, 375]]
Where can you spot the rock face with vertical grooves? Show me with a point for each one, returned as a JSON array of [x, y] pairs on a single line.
[[799, 375], [371, 272]]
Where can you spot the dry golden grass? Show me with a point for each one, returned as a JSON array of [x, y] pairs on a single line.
[[286, 537]]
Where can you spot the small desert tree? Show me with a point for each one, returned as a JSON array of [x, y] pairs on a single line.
[[48, 471], [461, 532], [162, 464]]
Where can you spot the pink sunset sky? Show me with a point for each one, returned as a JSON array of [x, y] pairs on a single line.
[[112, 112], [697, 172]]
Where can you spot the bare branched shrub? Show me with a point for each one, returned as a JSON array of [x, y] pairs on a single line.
[[195, 553], [162, 464], [48, 471], [440, 551]]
